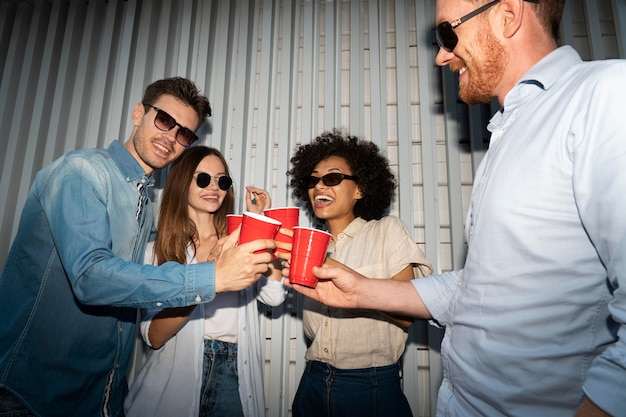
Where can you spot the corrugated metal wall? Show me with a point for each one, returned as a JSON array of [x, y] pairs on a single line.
[[277, 73]]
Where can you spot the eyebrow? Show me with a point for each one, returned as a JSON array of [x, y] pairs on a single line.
[[170, 115], [204, 172], [331, 169]]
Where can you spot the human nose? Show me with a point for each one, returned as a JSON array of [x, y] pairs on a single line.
[[170, 135], [214, 183], [320, 184], [443, 57]]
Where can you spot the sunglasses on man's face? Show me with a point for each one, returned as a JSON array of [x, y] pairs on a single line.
[[444, 32], [203, 180], [164, 122], [329, 180]]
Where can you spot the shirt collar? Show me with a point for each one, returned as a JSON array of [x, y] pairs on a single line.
[[549, 69], [129, 166], [354, 227], [541, 77]]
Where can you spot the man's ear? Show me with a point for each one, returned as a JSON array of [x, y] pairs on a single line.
[[511, 13], [138, 112]]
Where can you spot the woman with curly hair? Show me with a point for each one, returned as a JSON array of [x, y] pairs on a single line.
[[203, 360], [352, 360]]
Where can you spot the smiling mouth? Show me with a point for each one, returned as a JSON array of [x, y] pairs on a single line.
[[162, 148], [323, 200], [458, 66]]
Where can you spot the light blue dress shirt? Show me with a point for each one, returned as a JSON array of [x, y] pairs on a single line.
[[538, 314], [78, 251]]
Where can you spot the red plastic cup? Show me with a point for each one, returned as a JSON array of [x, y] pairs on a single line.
[[234, 220], [257, 226], [309, 250], [289, 217]]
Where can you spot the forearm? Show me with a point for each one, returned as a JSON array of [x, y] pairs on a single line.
[[274, 271], [406, 274], [166, 324], [399, 297], [271, 293]]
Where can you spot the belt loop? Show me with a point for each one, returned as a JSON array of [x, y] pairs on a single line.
[[231, 354], [373, 376]]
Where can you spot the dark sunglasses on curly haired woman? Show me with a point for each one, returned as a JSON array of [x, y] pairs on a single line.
[[203, 180], [329, 180], [447, 39]]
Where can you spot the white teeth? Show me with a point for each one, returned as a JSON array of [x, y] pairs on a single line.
[[323, 199], [163, 148], [462, 70]]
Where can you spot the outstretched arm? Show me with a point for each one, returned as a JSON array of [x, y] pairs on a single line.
[[340, 287], [405, 275]]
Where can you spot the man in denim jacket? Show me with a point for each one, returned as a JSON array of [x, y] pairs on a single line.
[[73, 277]]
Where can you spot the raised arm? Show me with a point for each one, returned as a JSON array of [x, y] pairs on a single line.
[[257, 199]]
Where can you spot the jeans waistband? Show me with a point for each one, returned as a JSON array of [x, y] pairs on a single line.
[[220, 347], [375, 373]]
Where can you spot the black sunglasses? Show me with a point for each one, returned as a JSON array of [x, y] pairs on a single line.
[[444, 32], [163, 121], [203, 180], [334, 178]]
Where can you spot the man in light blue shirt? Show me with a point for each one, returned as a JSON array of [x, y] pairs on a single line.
[[535, 323], [73, 275]]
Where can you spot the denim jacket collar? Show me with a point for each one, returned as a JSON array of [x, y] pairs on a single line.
[[127, 163]]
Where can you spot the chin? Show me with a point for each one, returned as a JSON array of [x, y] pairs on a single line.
[[473, 98], [320, 214]]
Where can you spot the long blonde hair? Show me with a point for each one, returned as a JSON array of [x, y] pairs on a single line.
[[175, 229]]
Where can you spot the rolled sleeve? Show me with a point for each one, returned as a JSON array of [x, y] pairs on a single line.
[[437, 293]]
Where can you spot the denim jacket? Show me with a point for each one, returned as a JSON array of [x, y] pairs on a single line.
[[72, 281]]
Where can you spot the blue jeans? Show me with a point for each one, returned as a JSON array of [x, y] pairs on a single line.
[[10, 406], [220, 383], [326, 391]]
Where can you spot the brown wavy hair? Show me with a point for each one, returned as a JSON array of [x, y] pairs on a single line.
[[175, 229], [182, 89]]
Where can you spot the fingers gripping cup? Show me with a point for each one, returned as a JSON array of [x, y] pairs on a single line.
[[233, 222], [257, 226], [309, 250], [289, 217]]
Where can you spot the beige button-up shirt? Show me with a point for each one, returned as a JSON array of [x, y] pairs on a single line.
[[357, 338]]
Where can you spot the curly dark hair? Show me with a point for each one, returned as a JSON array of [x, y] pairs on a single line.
[[375, 180]]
